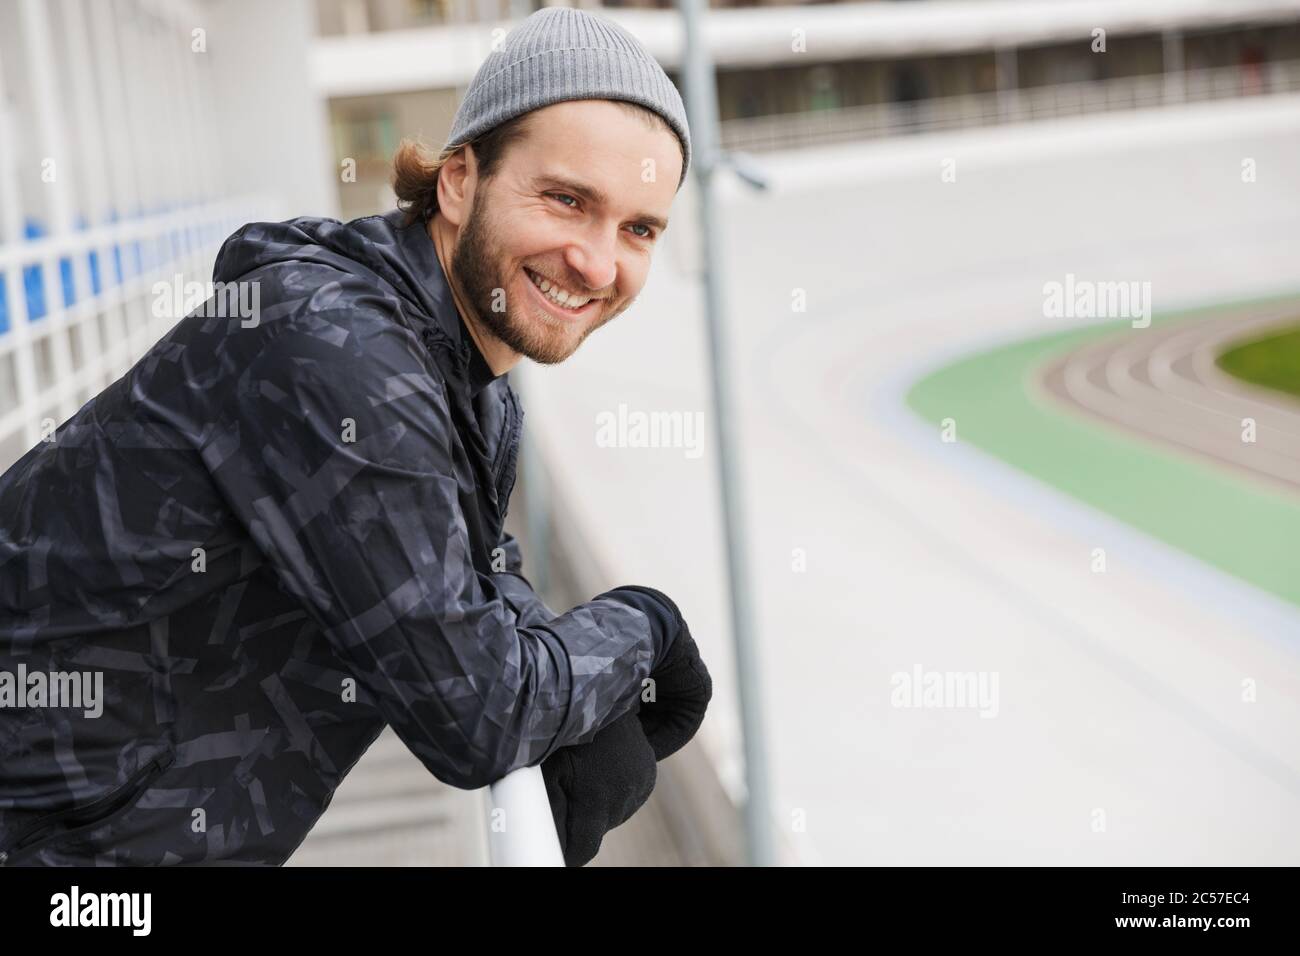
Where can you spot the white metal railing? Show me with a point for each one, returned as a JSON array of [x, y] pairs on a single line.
[[824, 127], [109, 183], [85, 343], [520, 825]]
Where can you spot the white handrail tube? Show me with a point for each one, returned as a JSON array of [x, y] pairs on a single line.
[[521, 828]]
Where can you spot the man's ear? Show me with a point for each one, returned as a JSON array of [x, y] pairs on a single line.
[[457, 181]]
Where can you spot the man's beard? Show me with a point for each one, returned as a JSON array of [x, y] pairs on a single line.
[[479, 276]]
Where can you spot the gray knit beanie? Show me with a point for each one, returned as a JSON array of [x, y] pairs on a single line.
[[561, 53]]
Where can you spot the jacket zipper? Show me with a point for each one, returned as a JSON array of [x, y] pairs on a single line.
[[508, 451], [86, 817], [510, 456]]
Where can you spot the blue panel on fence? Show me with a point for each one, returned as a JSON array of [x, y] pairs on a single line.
[[34, 281], [4, 308], [117, 249], [69, 287], [34, 289], [92, 260]]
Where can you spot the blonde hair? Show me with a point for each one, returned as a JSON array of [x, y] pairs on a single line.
[[416, 167]]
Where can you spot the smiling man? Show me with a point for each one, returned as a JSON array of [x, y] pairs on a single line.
[[552, 218], [275, 537]]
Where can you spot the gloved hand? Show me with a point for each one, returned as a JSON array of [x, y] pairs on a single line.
[[596, 786], [682, 686]]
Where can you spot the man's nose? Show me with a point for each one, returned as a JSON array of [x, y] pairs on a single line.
[[594, 257]]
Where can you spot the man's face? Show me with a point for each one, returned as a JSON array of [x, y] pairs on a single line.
[[573, 204]]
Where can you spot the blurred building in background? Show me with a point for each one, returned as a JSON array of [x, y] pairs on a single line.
[[792, 75]]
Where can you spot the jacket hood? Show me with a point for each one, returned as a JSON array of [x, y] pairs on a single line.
[[380, 248]]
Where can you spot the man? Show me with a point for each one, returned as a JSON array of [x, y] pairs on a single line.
[[270, 538]]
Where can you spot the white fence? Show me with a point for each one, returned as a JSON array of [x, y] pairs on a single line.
[[109, 182], [77, 310]]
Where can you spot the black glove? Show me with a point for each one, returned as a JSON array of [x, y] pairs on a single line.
[[682, 685], [596, 786]]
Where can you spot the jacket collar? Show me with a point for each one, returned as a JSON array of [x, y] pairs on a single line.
[[479, 373], [449, 328]]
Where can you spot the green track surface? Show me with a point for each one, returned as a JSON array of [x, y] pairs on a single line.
[[1228, 521], [1272, 361]]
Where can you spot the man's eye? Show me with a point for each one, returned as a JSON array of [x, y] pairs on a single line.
[[648, 234], [562, 196]]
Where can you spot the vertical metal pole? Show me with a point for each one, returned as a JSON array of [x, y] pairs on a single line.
[[701, 98], [146, 147], [127, 314], [11, 233], [48, 114], [85, 127], [146, 150]]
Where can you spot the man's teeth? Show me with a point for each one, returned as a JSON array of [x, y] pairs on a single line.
[[569, 300]]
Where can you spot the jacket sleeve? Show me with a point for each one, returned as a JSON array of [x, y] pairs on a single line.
[[334, 448], [518, 591]]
